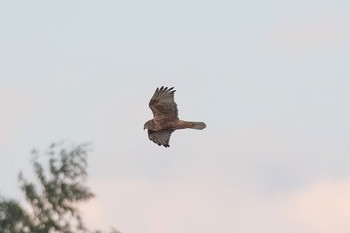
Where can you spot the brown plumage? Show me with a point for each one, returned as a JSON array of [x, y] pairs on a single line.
[[165, 117]]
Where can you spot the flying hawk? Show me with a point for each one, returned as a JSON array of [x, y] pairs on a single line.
[[165, 120]]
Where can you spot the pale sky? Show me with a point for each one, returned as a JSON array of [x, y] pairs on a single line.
[[271, 79]]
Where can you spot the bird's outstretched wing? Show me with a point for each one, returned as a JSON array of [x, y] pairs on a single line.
[[163, 105], [161, 137]]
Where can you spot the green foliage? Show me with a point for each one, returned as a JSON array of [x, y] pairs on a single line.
[[53, 199], [12, 217]]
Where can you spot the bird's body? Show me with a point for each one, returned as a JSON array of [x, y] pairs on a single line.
[[165, 117]]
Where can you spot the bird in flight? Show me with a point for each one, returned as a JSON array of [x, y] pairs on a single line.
[[165, 117]]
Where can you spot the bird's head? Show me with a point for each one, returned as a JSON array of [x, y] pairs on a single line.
[[147, 125]]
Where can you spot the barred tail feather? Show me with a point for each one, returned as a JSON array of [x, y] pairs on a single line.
[[197, 125]]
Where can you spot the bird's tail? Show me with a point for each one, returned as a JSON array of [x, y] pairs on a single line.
[[197, 125]]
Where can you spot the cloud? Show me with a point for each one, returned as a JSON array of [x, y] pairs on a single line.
[[322, 207], [207, 205], [186, 206], [324, 30]]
